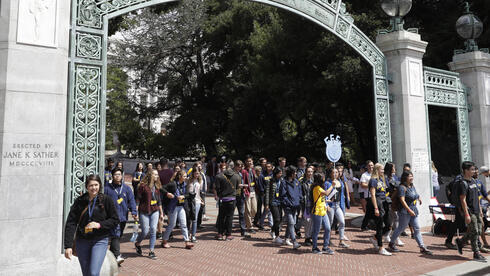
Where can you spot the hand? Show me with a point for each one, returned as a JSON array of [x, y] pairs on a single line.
[[93, 225], [411, 213], [161, 216], [135, 217], [170, 196], [376, 212], [181, 197], [68, 253], [467, 219]]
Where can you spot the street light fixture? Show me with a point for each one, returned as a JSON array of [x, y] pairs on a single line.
[[469, 27], [396, 9]]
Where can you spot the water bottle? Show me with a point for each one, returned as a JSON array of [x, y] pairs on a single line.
[[135, 232]]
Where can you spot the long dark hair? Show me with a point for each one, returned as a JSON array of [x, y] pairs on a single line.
[[389, 169], [317, 179], [100, 195], [404, 178]]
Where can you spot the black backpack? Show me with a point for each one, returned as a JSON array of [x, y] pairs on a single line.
[[450, 190]]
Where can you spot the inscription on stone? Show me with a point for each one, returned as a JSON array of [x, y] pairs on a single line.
[[31, 155]]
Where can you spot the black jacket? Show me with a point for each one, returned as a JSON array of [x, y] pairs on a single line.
[[227, 188], [104, 213]]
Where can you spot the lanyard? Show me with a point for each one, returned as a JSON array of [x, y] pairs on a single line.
[[91, 208], [181, 188], [278, 185], [120, 190]]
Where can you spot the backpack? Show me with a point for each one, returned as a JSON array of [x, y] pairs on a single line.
[[451, 193]]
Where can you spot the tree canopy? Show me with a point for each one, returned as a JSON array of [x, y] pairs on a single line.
[[239, 77]]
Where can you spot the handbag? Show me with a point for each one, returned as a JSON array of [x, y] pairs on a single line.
[[74, 246]]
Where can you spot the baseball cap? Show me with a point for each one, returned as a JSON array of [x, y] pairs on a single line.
[[483, 169]]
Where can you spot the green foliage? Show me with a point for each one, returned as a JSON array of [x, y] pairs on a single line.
[[240, 78]]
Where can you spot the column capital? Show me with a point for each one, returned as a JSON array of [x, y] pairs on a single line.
[[405, 42], [471, 61]]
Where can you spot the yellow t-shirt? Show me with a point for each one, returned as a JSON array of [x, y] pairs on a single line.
[[320, 207]]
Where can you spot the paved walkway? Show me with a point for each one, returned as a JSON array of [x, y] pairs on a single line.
[[258, 256]]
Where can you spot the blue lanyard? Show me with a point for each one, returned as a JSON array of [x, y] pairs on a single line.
[[91, 208], [120, 190], [278, 186]]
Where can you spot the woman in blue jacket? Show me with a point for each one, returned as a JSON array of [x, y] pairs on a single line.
[[337, 202], [290, 194]]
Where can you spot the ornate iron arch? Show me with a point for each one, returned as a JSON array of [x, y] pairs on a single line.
[[88, 64]]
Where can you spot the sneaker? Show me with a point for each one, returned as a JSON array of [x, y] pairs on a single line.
[[392, 247], [247, 235], [188, 245], [486, 246], [404, 234], [479, 257], [316, 251], [119, 259], [159, 236], [296, 245], [278, 240], [459, 245], [450, 245], [165, 244], [242, 233], [399, 242], [386, 238], [219, 237], [342, 244], [425, 251], [328, 251], [345, 238], [384, 252], [193, 239], [412, 236], [288, 242], [251, 231], [308, 242], [138, 250], [298, 235], [205, 218], [152, 255], [484, 250], [229, 238], [273, 235], [374, 242]]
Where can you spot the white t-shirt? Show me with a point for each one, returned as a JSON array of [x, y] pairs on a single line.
[[365, 177], [435, 181]]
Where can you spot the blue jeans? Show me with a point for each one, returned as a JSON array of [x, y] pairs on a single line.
[[149, 223], [194, 221], [291, 219], [240, 205], [91, 255], [318, 222], [336, 211], [268, 214], [178, 213], [403, 220]]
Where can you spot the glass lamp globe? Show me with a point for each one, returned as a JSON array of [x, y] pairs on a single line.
[[469, 26], [396, 8]]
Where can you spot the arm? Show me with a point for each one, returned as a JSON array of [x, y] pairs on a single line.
[[267, 194], [372, 190], [405, 205], [464, 208], [132, 204]]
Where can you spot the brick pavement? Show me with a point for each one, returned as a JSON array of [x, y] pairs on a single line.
[[258, 256]]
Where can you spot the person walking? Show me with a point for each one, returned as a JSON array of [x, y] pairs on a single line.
[[88, 225], [226, 186], [434, 179], [249, 180], [272, 202], [194, 186], [319, 215], [408, 212], [123, 199], [469, 207], [364, 193], [337, 203], [150, 210], [176, 191], [379, 208], [306, 204], [241, 193], [137, 176], [290, 194]]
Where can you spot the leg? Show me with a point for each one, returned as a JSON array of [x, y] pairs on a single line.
[[172, 219], [221, 219], [341, 220], [240, 205], [84, 252], [291, 216], [248, 213], [277, 219], [386, 218], [230, 208], [253, 205], [414, 221], [308, 227], [454, 227], [194, 223], [183, 223], [258, 219], [200, 213], [379, 230], [99, 250], [326, 235], [403, 220], [316, 222], [145, 227], [153, 229]]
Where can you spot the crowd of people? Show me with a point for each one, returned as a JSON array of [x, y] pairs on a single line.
[[304, 198]]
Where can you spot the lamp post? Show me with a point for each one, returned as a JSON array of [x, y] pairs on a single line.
[[469, 27], [396, 9]]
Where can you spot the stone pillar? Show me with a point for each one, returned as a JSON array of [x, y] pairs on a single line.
[[34, 36], [404, 51], [474, 70]]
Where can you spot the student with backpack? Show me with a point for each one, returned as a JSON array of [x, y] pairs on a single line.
[[469, 207], [405, 202], [458, 219], [272, 202], [290, 194]]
